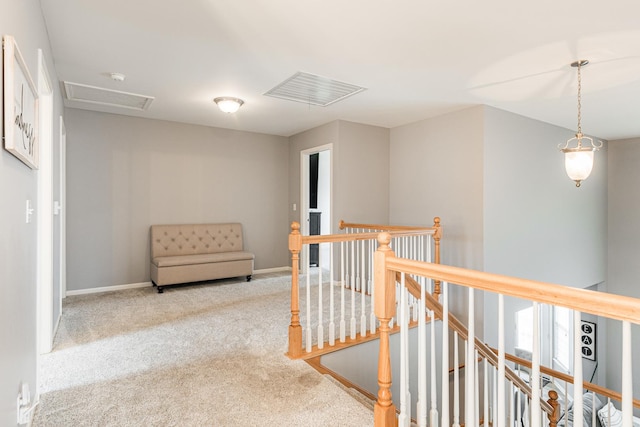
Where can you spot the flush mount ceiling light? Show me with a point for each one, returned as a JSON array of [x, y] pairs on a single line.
[[578, 160], [228, 104]]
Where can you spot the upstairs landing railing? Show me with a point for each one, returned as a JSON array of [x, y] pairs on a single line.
[[390, 269], [337, 309]]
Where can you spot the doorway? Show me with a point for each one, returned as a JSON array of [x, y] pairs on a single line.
[[315, 200], [45, 210]]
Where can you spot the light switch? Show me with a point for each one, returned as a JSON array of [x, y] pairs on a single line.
[[29, 212]]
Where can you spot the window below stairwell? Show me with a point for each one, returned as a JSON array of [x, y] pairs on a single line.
[[524, 329], [562, 332]]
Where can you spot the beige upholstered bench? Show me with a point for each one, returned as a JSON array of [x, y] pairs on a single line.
[[184, 253]]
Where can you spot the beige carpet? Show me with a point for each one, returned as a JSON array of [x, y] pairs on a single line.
[[204, 355]]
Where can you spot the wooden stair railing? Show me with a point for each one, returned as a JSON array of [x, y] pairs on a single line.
[[610, 306], [598, 389], [296, 243], [484, 350]]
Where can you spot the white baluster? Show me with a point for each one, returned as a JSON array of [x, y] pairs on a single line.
[[433, 414], [445, 354], [577, 370], [308, 341], [485, 389], [352, 329], [512, 390], [456, 382], [469, 399], [501, 363], [363, 315], [372, 316], [494, 406], [403, 419], [342, 286], [427, 247], [593, 405], [422, 363], [332, 325], [476, 386], [320, 301], [535, 369], [627, 376], [566, 397]]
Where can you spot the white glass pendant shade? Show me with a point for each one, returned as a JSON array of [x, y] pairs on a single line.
[[229, 105], [578, 162]]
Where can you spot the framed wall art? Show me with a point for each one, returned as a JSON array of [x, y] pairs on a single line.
[[20, 106], [588, 339]]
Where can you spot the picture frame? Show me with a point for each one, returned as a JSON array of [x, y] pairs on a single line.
[[20, 106]]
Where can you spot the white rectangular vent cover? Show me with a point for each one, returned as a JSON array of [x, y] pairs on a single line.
[[101, 96], [311, 89]]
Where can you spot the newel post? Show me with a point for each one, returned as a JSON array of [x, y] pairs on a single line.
[[295, 330], [436, 240], [384, 411], [553, 401]]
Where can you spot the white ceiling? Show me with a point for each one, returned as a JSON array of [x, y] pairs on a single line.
[[417, 59]]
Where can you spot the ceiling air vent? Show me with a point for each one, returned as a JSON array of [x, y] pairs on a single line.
[[100, 96], [311, 89]]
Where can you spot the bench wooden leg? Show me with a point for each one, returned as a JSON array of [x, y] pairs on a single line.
[[248, 278], [160, 289]]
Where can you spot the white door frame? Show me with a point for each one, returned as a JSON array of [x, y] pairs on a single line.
[[45, 210], [63, 212], [304, 191]]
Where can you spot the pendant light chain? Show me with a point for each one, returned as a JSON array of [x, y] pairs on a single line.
[[579, 101]]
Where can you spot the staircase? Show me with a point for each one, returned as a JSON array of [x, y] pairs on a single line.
[[375, 292]]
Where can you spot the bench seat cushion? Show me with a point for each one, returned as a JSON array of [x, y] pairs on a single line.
[[171, 261]]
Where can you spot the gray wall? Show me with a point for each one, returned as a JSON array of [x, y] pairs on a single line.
[[360, 171], [126, 173], [18, 183], [537, 224], [436, 169], [624, 249]]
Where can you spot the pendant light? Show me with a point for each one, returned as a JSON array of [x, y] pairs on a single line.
[[578, 160]]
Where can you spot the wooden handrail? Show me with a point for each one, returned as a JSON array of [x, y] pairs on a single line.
[[603, 391], [612, 306], [380, 227]]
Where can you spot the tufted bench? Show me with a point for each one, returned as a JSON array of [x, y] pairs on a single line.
[[183, 253]]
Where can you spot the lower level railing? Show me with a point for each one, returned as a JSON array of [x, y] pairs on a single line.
[[332, 304], [506, 400]]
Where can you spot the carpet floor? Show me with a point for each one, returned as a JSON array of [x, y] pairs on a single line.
[[199, 355]]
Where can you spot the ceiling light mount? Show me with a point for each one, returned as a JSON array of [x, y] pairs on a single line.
[[578, 160], [228, 104], [118, 77]]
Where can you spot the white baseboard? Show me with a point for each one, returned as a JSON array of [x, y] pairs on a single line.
[[145, 284], [272, 270], [108, 288]]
